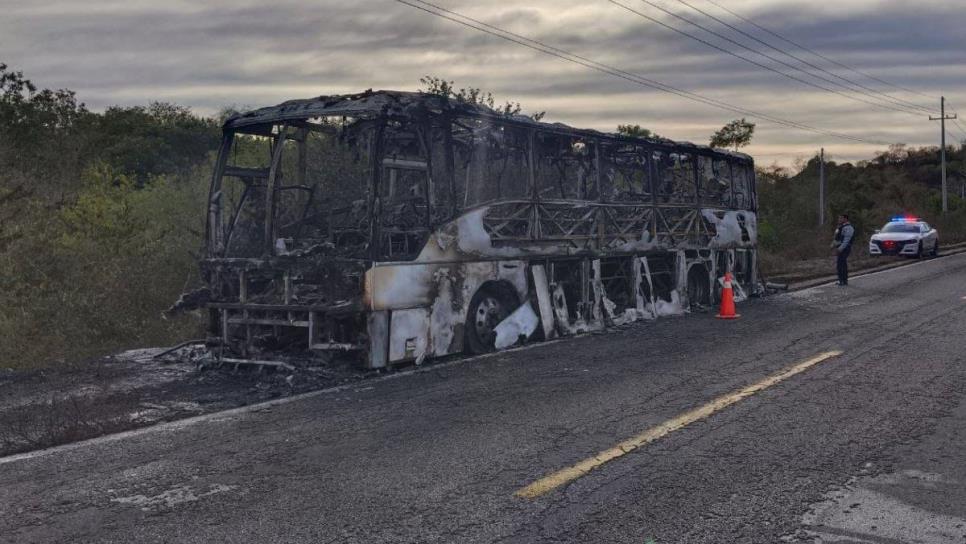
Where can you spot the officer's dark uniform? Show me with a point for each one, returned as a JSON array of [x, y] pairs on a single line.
[[844, 236]]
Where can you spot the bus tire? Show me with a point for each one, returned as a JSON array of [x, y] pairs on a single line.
[[698, 289], [491, 304]]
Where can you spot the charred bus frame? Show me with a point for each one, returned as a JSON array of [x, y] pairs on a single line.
[[400, 226]]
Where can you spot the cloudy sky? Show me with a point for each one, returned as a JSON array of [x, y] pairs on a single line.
[[208, 55]]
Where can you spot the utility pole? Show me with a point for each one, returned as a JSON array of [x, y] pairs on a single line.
[[943, 117], [821, 186]]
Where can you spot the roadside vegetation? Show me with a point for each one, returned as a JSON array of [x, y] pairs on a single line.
[[102, 215], [901, 180]]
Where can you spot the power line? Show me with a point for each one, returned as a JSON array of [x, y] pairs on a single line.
[[956, 121], [953, 138], [536, 45], [744, 58], [950, 136], [816, 53], [871, 92], [958, 126]]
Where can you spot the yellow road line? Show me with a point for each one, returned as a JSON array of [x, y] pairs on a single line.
[[564, 476]]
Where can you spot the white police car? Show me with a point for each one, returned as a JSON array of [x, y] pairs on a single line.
[[909, 236]]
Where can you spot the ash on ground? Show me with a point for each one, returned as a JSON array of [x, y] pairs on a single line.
[[49, 407]]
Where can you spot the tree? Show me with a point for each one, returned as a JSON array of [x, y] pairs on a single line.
[[896, 154], [38, 133], [36, 124], [153, 140], [472, 95], [737, 133], [636, 131]]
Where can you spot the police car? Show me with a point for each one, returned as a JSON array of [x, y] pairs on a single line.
[[909, 236]]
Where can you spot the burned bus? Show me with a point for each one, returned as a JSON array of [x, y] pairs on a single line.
[[399, 226]]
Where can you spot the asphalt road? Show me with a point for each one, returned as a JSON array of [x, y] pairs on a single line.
[[864, 447]]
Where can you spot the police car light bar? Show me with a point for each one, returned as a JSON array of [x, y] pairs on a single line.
[[904, 218]]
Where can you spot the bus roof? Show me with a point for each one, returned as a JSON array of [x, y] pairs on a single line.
[[371, 104]]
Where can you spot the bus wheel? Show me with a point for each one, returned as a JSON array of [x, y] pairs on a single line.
[[491, 304], [699, 290]]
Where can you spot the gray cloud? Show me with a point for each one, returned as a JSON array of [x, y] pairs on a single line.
[[207, 55]]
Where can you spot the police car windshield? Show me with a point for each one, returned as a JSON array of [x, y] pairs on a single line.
[[901, 227]]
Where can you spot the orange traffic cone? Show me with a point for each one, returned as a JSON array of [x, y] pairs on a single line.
[[727, 300]]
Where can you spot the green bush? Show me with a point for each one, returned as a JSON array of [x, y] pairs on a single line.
[[92, 277], [99, 214]]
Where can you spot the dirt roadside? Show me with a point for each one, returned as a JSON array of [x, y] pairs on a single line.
[[805, 273]]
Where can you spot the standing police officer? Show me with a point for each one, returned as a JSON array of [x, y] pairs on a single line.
[[844, 235]]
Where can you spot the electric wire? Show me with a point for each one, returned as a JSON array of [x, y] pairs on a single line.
[[816, 53], [956, 120], [951, 140], [536, 45], [746, 59], [870, 91]]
